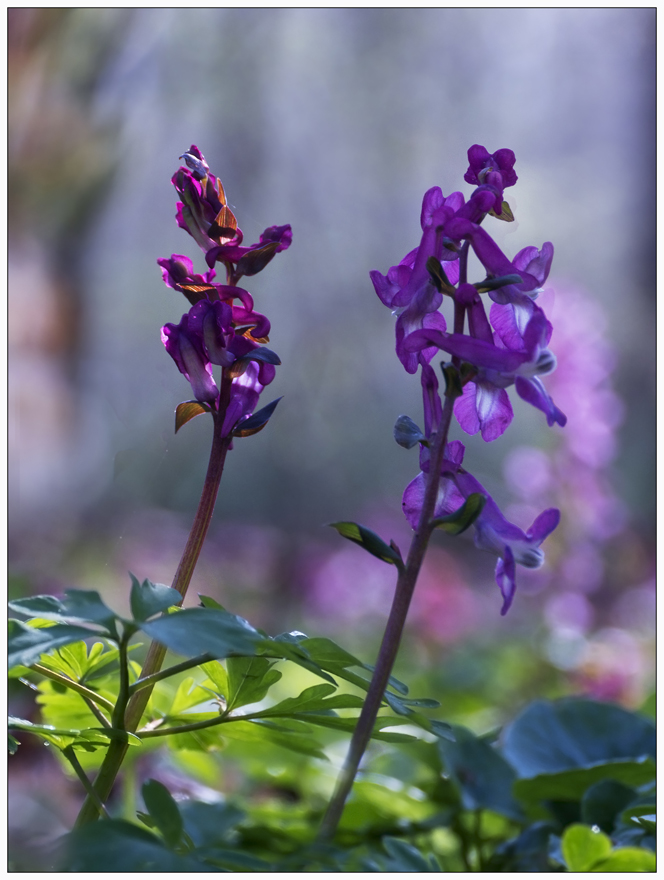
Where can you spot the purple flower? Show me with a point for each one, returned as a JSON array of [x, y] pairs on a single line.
[[522, 358], [493, 532], [203, 211], [177, 272], [483, 164], [508, 542], [245, 392], [206, 336]]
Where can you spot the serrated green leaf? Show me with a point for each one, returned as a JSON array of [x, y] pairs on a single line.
[[163, 811], [26, 644], [249, 680], [217, 675], [78, 606], [188, 410], [457, 522], [148, 599], [369, 541]]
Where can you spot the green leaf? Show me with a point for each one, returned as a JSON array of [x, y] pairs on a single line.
[[209, 824], [79, 606], [483, 776], [12, 744], [148, 599], [188, 410], [163, 811], [369, 541], [257, 422], [292, 735], [334, 722], [65, 736], [603, 802], [407, 433], [122, 847], [627, 859], [405, 858], [26, 644], [582, 847], [570, 785], [217, 675], [196, 631], [457, 522], [249, 680], [314, 699], [649, 822], [548, 737]]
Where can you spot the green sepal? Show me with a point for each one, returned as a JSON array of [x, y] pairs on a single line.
[[438, 277], [505, 213], [464, 517], [496, 283], [369, 541], [453, 385], [188, 410], [257, 422], [266, 355]]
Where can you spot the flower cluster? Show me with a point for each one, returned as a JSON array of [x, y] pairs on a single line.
[[222, 327], [509, 346]]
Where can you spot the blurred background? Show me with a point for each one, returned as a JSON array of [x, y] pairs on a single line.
[[336, 121]]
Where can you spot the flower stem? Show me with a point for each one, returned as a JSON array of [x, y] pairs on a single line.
[[393, 632], [156, 653]]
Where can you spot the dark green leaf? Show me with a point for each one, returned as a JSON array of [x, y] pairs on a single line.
[[148, 599], [548, 737], [393, 682], [314, 699], [122, 847], [481, 773], [12, 744], [603, 802], [196, 631], [209, 824], [249, 680], [163, 811], [407, 433], [334, 722], [188, 410], [570, 785], [79, 606], [457, 522], [369, 541], [257, 422], [26, 644], [405, 858]]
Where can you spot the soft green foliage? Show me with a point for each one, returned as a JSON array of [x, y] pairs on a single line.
[[567, 785]]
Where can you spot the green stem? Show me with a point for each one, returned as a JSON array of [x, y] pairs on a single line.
[[393, 632], [80, 772], [151, 680], [99, 715], [156, 653], [86, 693]]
